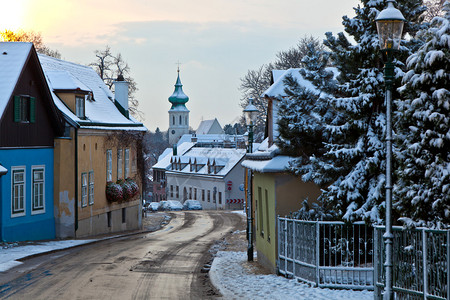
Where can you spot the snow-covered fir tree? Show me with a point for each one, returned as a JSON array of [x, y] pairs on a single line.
[[424, 116], [355, 148]]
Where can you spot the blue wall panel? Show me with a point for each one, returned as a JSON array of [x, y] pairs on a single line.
[[30, 226]]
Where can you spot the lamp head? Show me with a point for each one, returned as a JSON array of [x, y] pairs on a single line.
[[250, 113], [390, 23]]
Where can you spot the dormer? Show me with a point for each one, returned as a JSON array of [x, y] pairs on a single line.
[[71, 91]]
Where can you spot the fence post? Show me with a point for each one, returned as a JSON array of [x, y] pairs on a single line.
[[293, 248], [424, 255], [375, 262], [317, 252], [448, 263], [285, 246]]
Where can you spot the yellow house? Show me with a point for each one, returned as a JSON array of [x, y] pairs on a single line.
[[274, 191], [101, 150]]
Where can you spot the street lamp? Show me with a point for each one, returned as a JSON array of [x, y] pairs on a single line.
[[389, 26], [250, 113]]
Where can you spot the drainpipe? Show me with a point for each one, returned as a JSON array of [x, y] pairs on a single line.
[[76, 181]]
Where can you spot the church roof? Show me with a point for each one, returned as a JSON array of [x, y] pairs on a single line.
[[178, 97]]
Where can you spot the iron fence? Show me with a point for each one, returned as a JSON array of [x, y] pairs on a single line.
[[421, 263], [326, 254]]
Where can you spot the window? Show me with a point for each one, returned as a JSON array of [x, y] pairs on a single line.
[[171, 191], [190, 193], [109, 165], [127, 163], [91, 187], [203, 195], [124, 215], [178, 192], [79, 107], [209, 196], [267, 215], [38, 190], [119, 164], [18, 188], [195, 193], [108, 215], [259, 207], [214, 195], [173, 120], [84, 189], [24, 109], [180, 120], [220, 197]]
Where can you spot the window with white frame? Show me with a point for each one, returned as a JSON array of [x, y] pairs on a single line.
[[171, 191], [91, 187], [38, 190], [119, 164], [84, 189], [79, 107], [18, 191], [109, 165], [127, 163]]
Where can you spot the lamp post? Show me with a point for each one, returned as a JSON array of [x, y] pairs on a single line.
[[250, 113], [389, 26]]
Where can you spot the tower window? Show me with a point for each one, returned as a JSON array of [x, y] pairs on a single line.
[[180, 120], [173, 120]]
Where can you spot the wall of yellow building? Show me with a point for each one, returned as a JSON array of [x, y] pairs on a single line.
[[64, 186]]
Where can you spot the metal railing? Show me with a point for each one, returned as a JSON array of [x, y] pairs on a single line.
[[326, 254], [421, 263]]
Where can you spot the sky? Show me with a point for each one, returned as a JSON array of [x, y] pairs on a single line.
[[216, 42]]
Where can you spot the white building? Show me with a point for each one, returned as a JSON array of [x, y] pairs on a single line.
[[213, 176]]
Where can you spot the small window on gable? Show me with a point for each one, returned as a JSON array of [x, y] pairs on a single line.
[[79, 107], [24, 109]]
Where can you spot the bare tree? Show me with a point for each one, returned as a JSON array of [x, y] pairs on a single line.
[[255, 82], [434, 9], [29, 36], [109, 67]]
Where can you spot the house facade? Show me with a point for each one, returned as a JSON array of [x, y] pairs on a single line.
[[213, 176], [97, 155], [274, 191], [29, 123]]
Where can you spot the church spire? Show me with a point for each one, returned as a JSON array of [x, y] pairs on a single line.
[[178, 97]]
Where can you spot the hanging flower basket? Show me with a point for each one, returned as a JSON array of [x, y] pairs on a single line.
[[127, 190], [114, 192], [134, 186]]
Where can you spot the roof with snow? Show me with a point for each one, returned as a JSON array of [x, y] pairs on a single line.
[[164, 158], [217, 162], [276, 90], [100, 110], [211, 138], [209, 127], [12, 60], [3, 170], [266, 159]]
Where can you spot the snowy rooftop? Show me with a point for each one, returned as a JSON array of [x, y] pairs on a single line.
[[210, 138], [266, 159], [206, 161], [276, 90], [12, 60], [3, 169], [164, 158], [101, 111]]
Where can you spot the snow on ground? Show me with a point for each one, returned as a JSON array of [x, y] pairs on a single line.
[[233, 281], [10, 254]]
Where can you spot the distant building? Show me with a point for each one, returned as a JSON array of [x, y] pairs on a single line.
[[178, 113], [213, 176], [209, 127]]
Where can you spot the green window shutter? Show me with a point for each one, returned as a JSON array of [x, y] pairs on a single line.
[[32, 109], [16, 108]]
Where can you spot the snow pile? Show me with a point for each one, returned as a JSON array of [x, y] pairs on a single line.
[[229, 276], [10, 255]]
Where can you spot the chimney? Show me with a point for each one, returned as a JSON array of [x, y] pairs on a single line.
[[121, 95]]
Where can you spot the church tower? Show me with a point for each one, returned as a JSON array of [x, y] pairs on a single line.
[[178, 113]]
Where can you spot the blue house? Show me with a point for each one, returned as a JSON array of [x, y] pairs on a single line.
[[29, 122]]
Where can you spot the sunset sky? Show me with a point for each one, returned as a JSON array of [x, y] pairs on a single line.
[[216, 41]]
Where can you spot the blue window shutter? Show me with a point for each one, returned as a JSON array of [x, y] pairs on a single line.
[[32, 109], [16, 108]]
